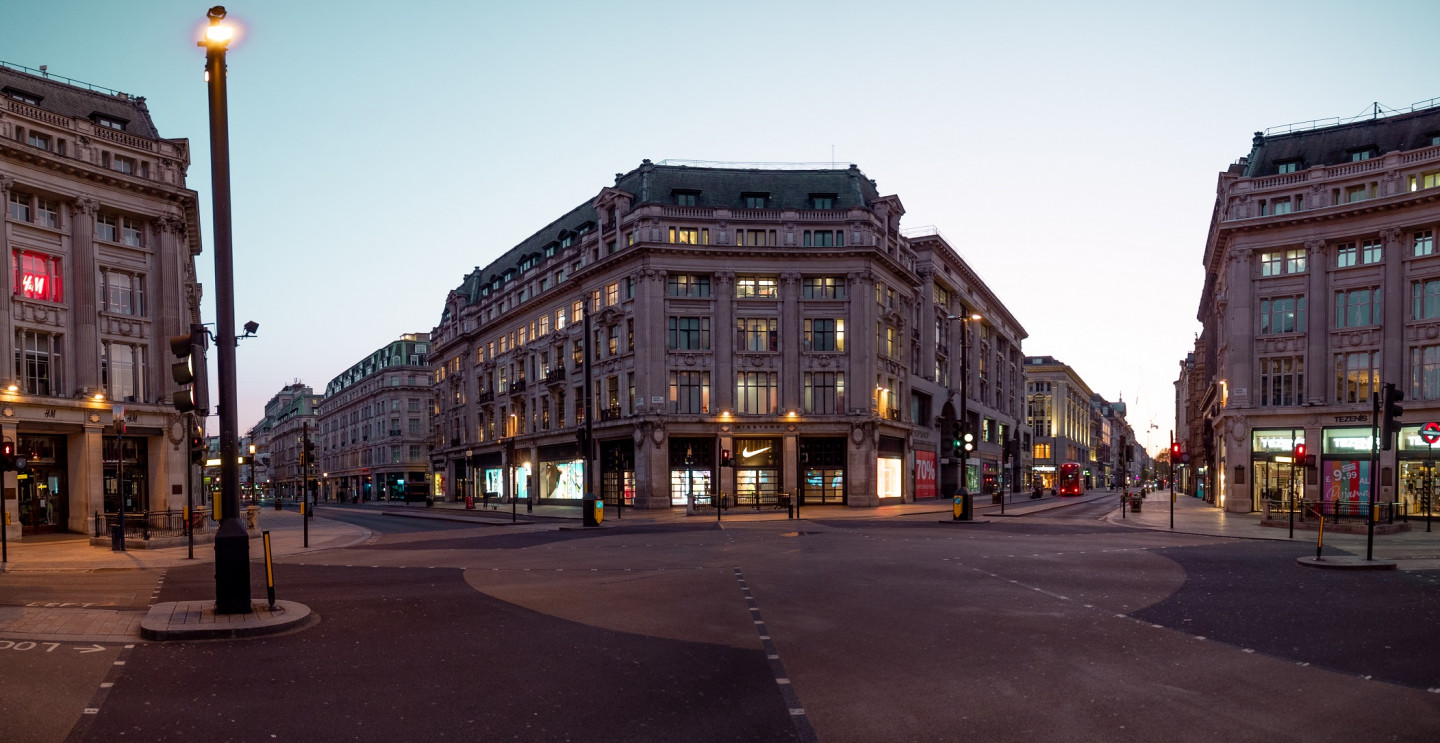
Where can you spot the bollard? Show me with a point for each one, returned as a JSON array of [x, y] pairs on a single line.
[[269, 570]]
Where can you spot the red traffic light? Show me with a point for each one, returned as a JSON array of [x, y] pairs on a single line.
[[1175, 451], [1300, 453]]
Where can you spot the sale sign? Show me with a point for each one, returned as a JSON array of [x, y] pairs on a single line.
[[1350, 480], [924, 474]]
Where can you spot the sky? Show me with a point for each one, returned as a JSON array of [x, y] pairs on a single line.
[[1069, 151]]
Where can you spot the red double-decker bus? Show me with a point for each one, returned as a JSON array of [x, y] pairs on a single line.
[[1070, 480]]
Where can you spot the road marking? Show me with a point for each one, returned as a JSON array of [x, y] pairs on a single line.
[[803, 729], [94, 648], [92, 710]]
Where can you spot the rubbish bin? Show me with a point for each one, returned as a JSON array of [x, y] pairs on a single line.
[[278, 504], [469, 502], [1135, 504], [429, 501], [592, 511]]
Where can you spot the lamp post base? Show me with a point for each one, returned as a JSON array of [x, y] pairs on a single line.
[[232, 568]]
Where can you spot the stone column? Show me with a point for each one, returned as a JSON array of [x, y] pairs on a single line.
[[926, 298], [82, 298], [1317, 326], [85, 476], [860, 383], [722, 340], [791, 331], [1238, 367], [1393, 350]]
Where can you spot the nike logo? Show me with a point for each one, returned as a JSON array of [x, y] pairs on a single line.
[[746, 453]]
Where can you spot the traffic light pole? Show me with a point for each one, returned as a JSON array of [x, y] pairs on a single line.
[[305, 480]]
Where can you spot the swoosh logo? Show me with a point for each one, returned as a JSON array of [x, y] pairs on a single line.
[[746, 453]]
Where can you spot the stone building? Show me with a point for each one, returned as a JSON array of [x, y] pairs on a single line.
[[102, 235], [375, 425], [1322, 285], [764, 333]]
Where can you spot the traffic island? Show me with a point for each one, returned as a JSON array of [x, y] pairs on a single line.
[[197, 620], [1346, 562]]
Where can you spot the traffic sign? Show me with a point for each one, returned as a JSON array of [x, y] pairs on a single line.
[[1430, 432]]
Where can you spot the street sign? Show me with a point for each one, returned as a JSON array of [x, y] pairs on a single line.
[[1430, 432]]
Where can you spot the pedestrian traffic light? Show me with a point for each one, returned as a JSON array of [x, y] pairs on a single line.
[[725, 460], [189, 370], [308, 452], [1390, 414], [7, 456], [1174, 452], [1300, 454]]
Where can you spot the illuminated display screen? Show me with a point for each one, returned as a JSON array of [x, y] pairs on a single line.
[[889, 473], [562, 480]]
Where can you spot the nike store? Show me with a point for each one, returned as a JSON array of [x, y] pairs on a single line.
[[757, 472]]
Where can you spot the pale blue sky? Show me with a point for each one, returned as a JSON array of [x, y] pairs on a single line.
[[1068, 150]]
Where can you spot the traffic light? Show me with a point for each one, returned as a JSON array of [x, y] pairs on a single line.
[[968, 442], [1390, 414], [725, 460], [1300, 454], [7, 457], [957, 434], [199, 446], [1175, 452], [189, 370], [307, 452]]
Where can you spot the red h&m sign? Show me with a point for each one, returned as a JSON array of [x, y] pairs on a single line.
[[924, 474]]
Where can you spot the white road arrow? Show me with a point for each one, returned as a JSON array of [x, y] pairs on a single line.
[[92, 649]]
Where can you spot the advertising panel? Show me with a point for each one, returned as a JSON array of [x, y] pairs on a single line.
[[925, 474]]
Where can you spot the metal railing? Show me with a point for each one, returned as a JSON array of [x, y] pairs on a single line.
[[1335, 510], [149, 524]]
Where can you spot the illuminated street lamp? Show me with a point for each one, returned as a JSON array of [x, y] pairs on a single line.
[[232, 542]]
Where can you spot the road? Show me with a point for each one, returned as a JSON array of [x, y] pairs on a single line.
[[1054, 626]]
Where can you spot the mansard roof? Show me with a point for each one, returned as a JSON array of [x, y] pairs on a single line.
[[1333, 145], [73, 101]]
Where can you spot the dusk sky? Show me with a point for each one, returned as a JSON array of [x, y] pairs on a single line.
[[1069, 151]]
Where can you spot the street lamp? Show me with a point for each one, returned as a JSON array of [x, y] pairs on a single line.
[[965, 396], [232, 542]]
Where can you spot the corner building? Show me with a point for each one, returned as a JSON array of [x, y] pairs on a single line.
[[102, 234], [1322, 285], [779, 315]]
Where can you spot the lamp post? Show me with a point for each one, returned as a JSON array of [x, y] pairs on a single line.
[[966, 434], [232, 543]]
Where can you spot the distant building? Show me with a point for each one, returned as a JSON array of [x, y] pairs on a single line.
[[376, 424], [1322, 286], [101, 234], [287, 415], [1059, 416], [777, 315]]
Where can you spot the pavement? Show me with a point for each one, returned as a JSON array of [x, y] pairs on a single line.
[[77, 622]]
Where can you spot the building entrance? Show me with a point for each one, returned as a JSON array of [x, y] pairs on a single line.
[[41, 487]]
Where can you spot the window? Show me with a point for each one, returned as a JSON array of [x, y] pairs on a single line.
[[107, 227], [1346, 255], [1371, 251], [755, 200], [755, 393], [689, 392], [888, 341], [122, 371], [1287, 166], [688, 334], [1282, 381], [110, 122], [1282, 315], [822, 201], [1281, 206], [46, 214], [823, 287], [22, 96], [1361, 154], [1356, 376], [824, 334], [824, 238], [689, 236], [123, 164], [683, 285], [758, 334], [686, 198], [39, 141], [1295, 261], [1270, 264], [1356, 193], [1425, 373], [38, 362], [37, 276], [612, 294], [824, 393], [756, 287], [122, 293], [1425, 180], [19, 206], [130, 232], [755, 237], [1425, 299], [1357, 308], [1423, 243]]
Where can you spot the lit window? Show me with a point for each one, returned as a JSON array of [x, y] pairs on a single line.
[[37, 276], [756, 287]]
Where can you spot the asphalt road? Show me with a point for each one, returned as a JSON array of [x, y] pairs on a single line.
[[1054, 626]]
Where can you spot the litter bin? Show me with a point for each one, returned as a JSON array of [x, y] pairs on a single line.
[[279, 506], [117, 538], [592, 511], [469, 502], [1135, 504]]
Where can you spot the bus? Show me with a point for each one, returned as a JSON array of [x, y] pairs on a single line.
[[1070, 480]]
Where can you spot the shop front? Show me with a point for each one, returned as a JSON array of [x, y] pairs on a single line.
[[126, 466], [822, 470], [890, 470], [42, 486], [757, 472], [561, 474], [617, 471], [1419, 475], [1345, 465], [692, 465], [1277, 476], [989, 476]]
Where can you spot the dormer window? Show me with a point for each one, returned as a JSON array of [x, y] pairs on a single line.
[[1363, 153], [1287, 166], [22, 96], [686, 198], [822, 201], [109, 122], [755, 200]]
